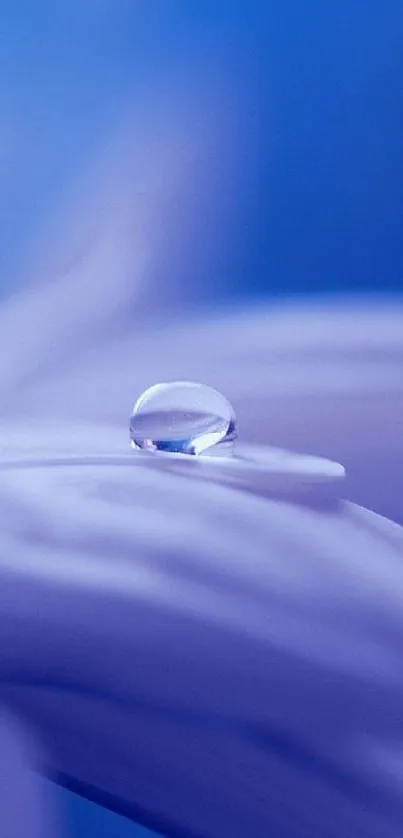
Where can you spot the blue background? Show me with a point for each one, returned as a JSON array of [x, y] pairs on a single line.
[[320, 85], [321, 89]]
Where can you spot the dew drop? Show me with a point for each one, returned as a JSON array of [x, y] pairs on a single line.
[[183, 417]]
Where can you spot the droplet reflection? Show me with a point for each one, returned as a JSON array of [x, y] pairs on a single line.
[[183, 417]]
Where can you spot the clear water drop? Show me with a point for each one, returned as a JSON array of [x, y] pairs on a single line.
[[183, 417]]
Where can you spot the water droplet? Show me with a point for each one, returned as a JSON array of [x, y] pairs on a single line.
[[183, 417]]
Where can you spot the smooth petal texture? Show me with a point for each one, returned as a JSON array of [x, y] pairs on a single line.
[[203, 660], [27, 809], [322, 379]]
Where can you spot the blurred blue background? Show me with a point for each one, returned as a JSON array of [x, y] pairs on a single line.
[[320, 97], [315, 205]]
